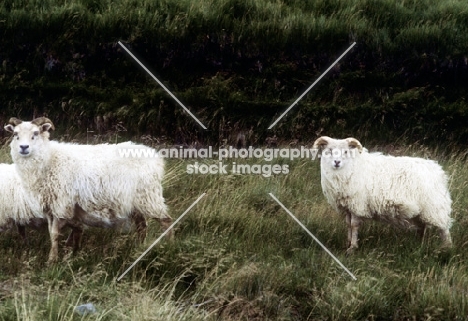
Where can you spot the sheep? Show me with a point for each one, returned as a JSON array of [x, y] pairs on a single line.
[[87, 184], [404, 191], [16, 208]]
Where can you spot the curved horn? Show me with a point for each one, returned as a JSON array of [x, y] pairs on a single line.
[[321, 142], [354, 143], [43, 120], [14, 121]]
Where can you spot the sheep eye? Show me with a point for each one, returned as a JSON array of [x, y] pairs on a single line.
[[36, 133]]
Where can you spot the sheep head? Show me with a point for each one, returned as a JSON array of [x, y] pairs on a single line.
[[337, 153], [28, 136]]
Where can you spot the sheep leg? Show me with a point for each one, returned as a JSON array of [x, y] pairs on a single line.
[[350, 231], [74, 239], [140, 223], [353, 226], [54, 233], [165, 224], [422, 232], [22, 233], [446, 238]]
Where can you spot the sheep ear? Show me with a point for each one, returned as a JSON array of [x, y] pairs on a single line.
[[9, 128], [321, 143], [354, 143], [44, 123], [12, 123], [47, 127]]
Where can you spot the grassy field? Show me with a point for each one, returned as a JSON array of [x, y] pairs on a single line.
[[239, 256], [238, 65]]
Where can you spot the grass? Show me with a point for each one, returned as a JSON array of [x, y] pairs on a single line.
[[239, 64], [239, 256]]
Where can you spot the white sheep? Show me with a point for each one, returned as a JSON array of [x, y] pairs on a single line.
[[19, 209], [405, 191], [94, 185], [16, 208]]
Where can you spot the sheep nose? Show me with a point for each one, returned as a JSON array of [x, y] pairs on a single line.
[[337, 163], [24, 147]]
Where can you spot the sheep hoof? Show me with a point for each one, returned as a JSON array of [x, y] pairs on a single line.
[[350, 250], [52, 261], [446, 246]]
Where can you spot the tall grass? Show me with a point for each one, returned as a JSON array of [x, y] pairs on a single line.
[[239, 63], [238, 256]]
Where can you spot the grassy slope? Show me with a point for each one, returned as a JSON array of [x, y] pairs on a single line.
[[241, 257]]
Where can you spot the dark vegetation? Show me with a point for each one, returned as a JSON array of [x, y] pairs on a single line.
[[238, 65]]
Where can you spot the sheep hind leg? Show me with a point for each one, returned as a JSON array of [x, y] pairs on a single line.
[[165, 225], [420, 228], [74, 239], [140, 223], [22, 233], [446, 238]]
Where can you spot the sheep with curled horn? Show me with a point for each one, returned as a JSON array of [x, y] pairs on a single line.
[[404, 191], [95, 185]]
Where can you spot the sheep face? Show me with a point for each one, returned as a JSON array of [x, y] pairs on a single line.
[[28, 136], [337, 153]]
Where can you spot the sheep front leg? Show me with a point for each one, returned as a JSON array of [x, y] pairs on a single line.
[[350, 232], [54, 233], [353, 223]]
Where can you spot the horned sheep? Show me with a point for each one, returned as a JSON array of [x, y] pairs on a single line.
[[87, 184], [405, 191]]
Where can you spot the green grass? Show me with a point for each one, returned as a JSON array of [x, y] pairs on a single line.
[[239, 64], [238, 256]]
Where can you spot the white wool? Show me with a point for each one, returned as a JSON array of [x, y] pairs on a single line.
[[405, 191], [92, 184], [104, 184], [16, 206]]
